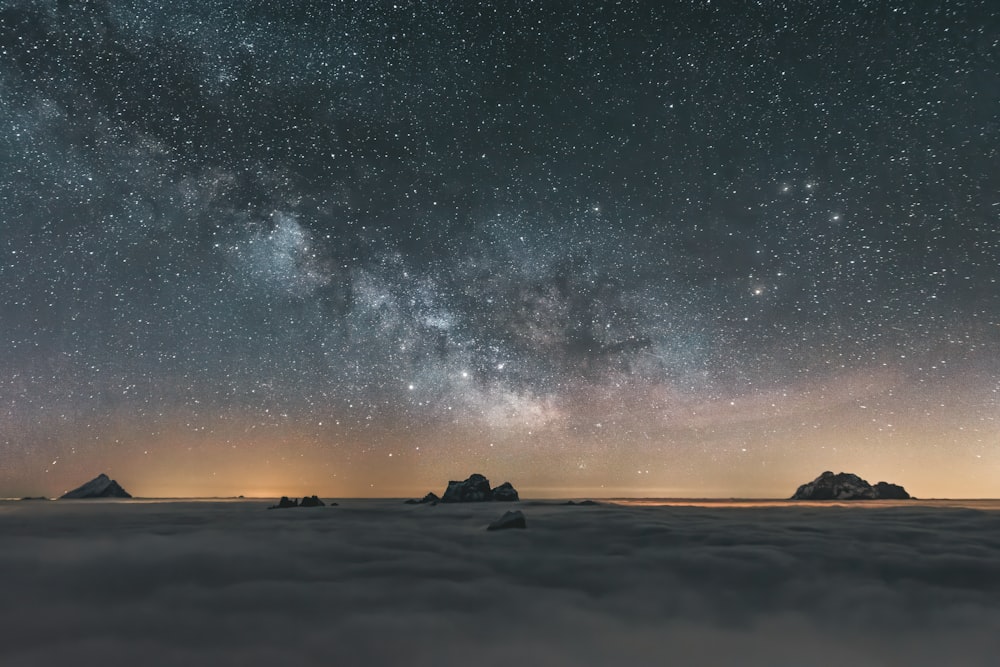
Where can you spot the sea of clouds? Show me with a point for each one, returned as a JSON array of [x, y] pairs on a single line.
[[381, 583]]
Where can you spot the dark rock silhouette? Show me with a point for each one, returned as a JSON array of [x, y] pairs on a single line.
[[505, 493], [477, 489], [887, 491], [431, 498], [34, 498], [582, 502], [311, 501], [512, 519], [307, 501], [473, 490], [848, 486], [101, 486], [284, 503]]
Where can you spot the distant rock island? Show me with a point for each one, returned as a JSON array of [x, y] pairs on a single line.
[[307, 501], [101, 486], [848, 486], [475, 489]]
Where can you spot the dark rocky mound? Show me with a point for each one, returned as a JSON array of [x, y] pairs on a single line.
[[284, 503], [847, 486], [307, 501], [505, 493], [887, 491], [311, 501], [586, 503], [512, 519], [34, 498], [476, 489], [101, 486], [431, 498]]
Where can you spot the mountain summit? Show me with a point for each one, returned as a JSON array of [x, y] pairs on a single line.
[[101, 486], [848, 486]]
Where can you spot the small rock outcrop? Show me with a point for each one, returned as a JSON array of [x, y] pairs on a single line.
[[584, 503], [476, 489], [430, 499], [101, 486], [307, 501], [512, 519], [848, 486], [505, 493], [887, 491], [284, 503]]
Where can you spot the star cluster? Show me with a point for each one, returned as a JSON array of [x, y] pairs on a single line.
[[652, 248]]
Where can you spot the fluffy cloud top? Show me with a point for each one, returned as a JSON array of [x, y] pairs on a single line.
[[379, 583]]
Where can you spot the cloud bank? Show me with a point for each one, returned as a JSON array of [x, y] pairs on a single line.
[[374, 582]]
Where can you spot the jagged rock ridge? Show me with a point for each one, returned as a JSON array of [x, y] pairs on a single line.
[[307, 501], [101, 486], [477, 489], [848, 486]]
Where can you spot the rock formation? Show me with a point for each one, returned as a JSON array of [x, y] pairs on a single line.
[[307, 501], [431, 499], [886, 491], [847, 486], [505, 493], [477, 489], [101, 486], [512, 519], [473, 490]]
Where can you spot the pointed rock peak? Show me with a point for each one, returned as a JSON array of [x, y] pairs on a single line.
[[101, 486], [505, 492]]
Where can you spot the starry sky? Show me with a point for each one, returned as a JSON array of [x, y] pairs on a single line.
[[681, 248]]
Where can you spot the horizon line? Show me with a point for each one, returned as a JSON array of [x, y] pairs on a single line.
[[716, 499]]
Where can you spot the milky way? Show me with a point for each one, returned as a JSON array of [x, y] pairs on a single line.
[[663, 248]]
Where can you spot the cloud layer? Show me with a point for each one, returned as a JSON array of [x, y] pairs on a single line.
[[376, 582], [598, 239]]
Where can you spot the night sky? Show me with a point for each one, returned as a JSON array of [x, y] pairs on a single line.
[[622, 248]]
